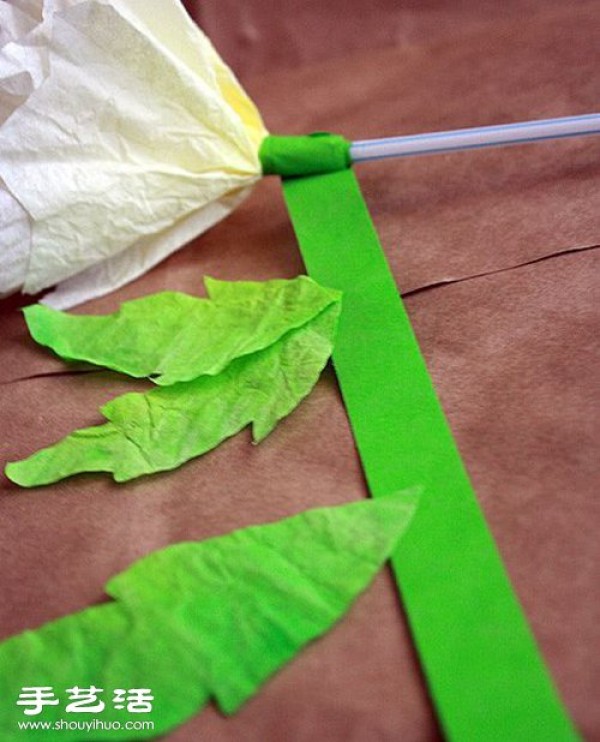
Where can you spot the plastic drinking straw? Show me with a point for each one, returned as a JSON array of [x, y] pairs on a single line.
[[475, 138]]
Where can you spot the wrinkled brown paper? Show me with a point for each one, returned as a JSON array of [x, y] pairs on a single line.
[[513, 354]]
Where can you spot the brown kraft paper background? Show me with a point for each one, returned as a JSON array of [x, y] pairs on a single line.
[[496, 253]]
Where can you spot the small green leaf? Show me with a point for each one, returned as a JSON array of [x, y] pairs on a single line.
[[169, 425], [206, 620], [174, 337]]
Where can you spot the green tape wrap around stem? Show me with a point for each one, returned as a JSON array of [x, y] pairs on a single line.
[[484, 670], [311, 154]]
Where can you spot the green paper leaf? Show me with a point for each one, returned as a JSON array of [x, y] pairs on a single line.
[[174, 337], [206, 620], [169, 425]]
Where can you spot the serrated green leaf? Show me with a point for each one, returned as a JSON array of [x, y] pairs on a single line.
[[173, 337], [167, 426], [211, 619]]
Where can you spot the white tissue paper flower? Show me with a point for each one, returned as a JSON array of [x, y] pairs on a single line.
[[123, 135]]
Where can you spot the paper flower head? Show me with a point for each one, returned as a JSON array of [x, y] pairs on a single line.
[[123, 135]]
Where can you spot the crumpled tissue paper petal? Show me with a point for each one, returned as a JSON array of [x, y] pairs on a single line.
[[128, 137]]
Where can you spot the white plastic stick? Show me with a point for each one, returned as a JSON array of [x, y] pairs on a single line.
[[476, 138]]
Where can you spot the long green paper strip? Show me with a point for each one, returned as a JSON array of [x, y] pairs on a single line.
[[200, 620], [484, 670]]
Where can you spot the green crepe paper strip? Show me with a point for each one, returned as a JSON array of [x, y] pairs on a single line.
[[174, 337], [205, 620], [484, 670], [304, 155], [167, 426]]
